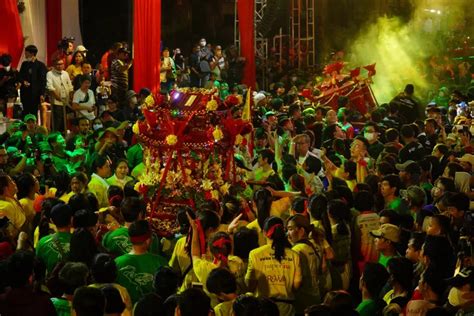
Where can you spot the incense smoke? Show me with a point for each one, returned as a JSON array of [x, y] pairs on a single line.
[[402, 50]]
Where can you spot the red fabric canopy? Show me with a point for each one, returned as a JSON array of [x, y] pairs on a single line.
[[146, 44], [245, 12], [11, 35]]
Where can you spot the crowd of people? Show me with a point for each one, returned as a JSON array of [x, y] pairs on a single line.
[[336, 217]]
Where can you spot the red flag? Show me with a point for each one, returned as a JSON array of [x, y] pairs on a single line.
[[11, 35], [355, 72], [370, 69]]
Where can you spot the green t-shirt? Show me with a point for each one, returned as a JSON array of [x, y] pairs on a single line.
[[383, 260], [399, 206], [63, 307], [367, 308], [117, 242], [136, 272], [51, 249]]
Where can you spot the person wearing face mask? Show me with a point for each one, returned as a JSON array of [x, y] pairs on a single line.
[[461, 295], [9, 80], [97, 124], [372, 135], [33, 81], [60, 88], [205, 56]]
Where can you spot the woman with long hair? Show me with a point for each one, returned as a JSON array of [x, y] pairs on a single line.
[[75, 69], [274, 270], [303, 237]]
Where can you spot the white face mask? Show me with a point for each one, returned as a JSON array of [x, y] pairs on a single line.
[[370, 136], [202, 43], [97, 126], [455, 297], [7, 68]]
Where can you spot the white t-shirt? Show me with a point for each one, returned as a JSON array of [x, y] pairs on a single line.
[[81, 98]]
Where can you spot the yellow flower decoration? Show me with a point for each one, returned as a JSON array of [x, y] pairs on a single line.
[[225, 188], [217, 133], [238, 139], [212, 105], [135, 128], [206, 185], [171, 139], [215, 194], [137, 186]]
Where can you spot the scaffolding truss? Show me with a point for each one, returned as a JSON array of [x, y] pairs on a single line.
[[302, 34]]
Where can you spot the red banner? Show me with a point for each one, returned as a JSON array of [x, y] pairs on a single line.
[[11, 35], [146, 44], [245, 12]]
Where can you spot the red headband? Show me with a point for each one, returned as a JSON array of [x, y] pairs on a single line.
[[270, 232], [115, 198], [140, 239], [305, 210], [202, 236], [221, 242]]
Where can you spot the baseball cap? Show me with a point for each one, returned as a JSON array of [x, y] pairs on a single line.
[[29, 117], [465, 276], [130, 94], [469, 159], [269, 113], [409, 166], [387, 231], [81, 48]]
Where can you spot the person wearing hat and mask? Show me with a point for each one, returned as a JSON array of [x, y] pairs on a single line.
[[409, 173], [461, 294], [131, 112], [119, 74], [386, 239]]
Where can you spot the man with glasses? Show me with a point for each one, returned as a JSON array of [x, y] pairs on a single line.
[[60, 88]]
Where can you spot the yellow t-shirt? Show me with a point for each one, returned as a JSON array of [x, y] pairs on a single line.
[[202, 268], [12, 209], [308, 294], [224, 308], [180, 260], [74, 71], [255, 226], [123, 294], [281, 208], [275, 279], [28, 208]]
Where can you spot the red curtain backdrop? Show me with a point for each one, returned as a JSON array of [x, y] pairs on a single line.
[[246, 11], [54, 30], [11, 35], [146, 44]]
